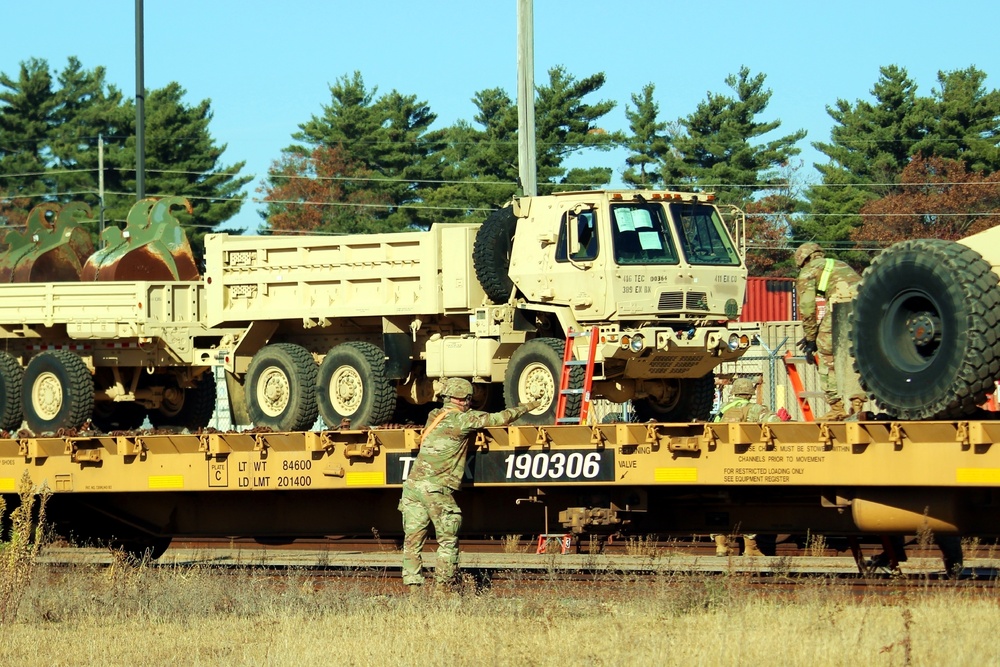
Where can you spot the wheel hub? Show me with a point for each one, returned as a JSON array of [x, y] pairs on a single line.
[[346, 390], [273, 392], [47, 396], [924, 328], [537, 384]]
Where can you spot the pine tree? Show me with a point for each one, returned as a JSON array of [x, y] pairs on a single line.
[[648, 143], [26, 124], [963, 121], [870, 145], [388, 137]]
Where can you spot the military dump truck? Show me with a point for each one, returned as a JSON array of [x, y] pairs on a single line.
[[360, 327], [925, 335]]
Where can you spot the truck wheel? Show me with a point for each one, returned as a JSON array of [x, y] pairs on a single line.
[[58, 392], [11, 375], [533, 374], [491, 254], [692, 401], [121, 416], [281, 388], [190, 408], [924, 333], [352, 384]]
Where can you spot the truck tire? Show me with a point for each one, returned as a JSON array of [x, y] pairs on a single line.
[[924, 335], [352, 384], [11, 375], [193, 410], [57, 392], [534, 373], [691, 402], [281, 388], [491, 254], [121, 416]]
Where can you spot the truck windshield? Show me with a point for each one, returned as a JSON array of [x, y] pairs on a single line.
[[640, 235], [702, 233]]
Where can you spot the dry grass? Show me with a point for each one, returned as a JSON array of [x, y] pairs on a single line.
[[19, 548], [191, 615]]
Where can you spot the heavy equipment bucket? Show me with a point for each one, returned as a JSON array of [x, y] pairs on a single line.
[[52, 248], [153, 246]]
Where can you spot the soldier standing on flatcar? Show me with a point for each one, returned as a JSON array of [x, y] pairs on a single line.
[[837, 283], [437, 474]]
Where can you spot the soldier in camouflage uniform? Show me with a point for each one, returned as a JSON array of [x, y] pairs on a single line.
[[838, 283], [437, 474], [742, 408]]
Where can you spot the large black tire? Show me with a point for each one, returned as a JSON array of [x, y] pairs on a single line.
[[352, 384], [533, 374], [190, 408], [281, 388], [11, 376], [691, 402], [57, 392], [491, 254], [122, 416], [924, 334]]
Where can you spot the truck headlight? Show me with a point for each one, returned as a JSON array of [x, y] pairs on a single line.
[[636, 343], [738, 342]]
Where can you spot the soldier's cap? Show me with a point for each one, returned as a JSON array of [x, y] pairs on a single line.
[[457, 388], [805, 251], [743, 387]]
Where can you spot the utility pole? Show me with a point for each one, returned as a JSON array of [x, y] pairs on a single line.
[[526, 166], [140, 109]]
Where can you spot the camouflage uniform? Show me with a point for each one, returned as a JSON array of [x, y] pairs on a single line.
[[433, 478], [741, 408], [841, 286]]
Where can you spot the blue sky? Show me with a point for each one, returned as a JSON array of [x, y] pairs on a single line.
[[267, 66]]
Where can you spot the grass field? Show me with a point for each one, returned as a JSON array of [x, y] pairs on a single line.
[[127, 614]]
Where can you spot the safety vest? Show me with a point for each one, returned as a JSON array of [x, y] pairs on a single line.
[[824, 278], [734, 403]]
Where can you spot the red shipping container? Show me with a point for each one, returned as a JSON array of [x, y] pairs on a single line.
[[770, 300]]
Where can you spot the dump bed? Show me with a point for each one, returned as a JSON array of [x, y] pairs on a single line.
[[321, 277], [172, 311]]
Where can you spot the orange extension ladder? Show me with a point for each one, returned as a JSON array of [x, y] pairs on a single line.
[[801, 395], [588, 379]]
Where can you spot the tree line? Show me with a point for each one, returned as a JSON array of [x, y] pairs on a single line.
[[899, 164]]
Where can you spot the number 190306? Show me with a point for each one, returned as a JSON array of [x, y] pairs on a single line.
[[542, 466]]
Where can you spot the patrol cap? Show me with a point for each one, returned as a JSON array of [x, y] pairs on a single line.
[[457, 388], [743, 387], [804, 252]]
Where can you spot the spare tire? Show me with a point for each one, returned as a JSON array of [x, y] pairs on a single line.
[[924, 336], [491, 254]]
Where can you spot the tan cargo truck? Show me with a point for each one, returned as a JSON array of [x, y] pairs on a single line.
[[360, 327]]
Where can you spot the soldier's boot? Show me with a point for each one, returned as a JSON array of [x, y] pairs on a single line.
[[750, 547], [836, 413], [721, 545]]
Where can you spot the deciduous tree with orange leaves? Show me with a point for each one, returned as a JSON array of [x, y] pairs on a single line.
[[307, 194], [936, 198]]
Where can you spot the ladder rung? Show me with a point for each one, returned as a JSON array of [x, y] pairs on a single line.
[[566, 420], [577, 362], [571, 391], [811, 394]]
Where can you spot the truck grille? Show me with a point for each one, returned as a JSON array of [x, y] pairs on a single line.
[[665, 364], [671, 301], [676, 301]]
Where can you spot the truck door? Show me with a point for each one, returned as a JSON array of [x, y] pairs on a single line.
[[578, 273]]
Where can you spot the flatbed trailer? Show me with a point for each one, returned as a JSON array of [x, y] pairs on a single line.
[[838, 478]]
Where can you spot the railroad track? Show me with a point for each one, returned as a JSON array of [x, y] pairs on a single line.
[[486, 560]]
